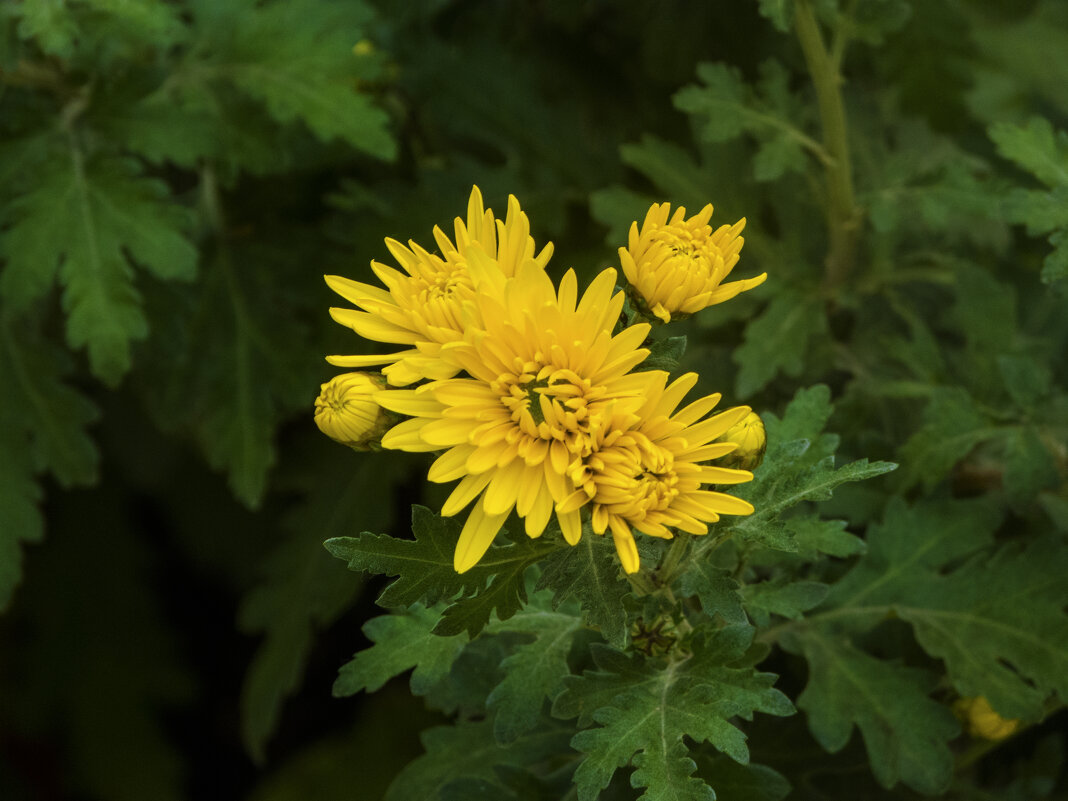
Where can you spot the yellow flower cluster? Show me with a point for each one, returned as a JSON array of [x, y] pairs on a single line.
[[527, 390]]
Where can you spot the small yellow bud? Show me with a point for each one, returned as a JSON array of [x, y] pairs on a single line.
[[346, 410], [364, 47], [752, 441], [676, 266], [980, 719]]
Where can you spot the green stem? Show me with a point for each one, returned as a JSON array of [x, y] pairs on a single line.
[[843, 216], [668, 569]]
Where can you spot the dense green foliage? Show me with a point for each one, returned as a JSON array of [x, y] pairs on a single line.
[[176, 177]]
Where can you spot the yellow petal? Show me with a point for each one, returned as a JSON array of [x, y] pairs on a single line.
[[476, 537]]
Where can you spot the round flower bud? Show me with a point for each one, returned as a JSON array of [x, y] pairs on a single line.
[[676, 266], [980, 719], [346, 410], [752, 441]]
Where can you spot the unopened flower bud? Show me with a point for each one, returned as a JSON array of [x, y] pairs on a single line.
[[980, 719], [346, 410], [676, 267], [752, 441]]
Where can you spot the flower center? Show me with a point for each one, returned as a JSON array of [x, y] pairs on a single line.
[[635, 478], [547, 402]]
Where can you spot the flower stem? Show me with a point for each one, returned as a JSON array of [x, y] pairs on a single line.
[[668, 567], [843, 216]]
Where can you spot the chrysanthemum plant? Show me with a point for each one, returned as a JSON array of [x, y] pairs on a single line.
[[592, 600]]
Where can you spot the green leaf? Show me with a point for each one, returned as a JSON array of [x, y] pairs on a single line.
[[469, 749], [782, 597], [814, 536], [506, 593], [20, 517], [743, 782], [905, 732], [780, 12], [1035, 147], [726, 107], [952, 426], [665, 354], [425, 572], [590, 573], [295, 57], [910, 544], [402, 640], [91, 222], [1029, 466], [778, 340], [53, 415], [1055, 267], [43, 425], [534, 672], [999, 625], [715, 588], [798, 467], [647, 709], [50, 24]]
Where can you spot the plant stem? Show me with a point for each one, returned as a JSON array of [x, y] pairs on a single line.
[[843, 216], [674, 555]]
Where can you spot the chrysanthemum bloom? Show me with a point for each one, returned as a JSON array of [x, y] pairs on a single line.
[[752, 441], [546, 376], [346, 410], [981, 720], [420, 306], [676, 266], [649, 476]]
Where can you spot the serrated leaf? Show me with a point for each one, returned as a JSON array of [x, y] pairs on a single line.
[[782, 597], [715, 588], [295, 56], [905, 731], [999, 625], [952, 426], [664, 354], [469, 749], [725, 107], [20, 517], [90, 222], [777, 340], [646, 711], [402, 641], [425, 572], [911, 543], [533, 672], [779, 12], [1035, 147], [53, 415], [813, 535], [506, 593], [590, 573]]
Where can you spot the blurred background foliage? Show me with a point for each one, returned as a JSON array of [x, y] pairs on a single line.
[[176, 177]]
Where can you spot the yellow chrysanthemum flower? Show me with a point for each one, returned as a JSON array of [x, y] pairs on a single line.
[[346, 410], [649, 476], [981, 720], [752, 441], [546, 375], [421, 306], [676, 266]]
